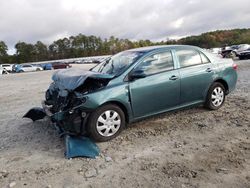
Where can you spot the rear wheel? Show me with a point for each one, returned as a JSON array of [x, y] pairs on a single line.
[[216, 96], [106, 123]]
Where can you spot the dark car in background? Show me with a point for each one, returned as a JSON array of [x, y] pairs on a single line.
[[234, 50], [245, 54], [60, 65]]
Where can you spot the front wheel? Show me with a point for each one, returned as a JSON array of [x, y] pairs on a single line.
[[233, 55], [106, 123], [216, 96]]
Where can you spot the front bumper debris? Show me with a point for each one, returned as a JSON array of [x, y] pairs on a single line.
[[35, 114], [80, 147], [70, 127]]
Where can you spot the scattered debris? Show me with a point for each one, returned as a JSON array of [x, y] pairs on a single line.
[[222, 170], [12, 184], [80, 147], [90, 173], [202, 125], [4, 174], [108, 159], [177, 145]]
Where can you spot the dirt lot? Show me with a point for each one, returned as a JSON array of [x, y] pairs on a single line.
[[189, 148]]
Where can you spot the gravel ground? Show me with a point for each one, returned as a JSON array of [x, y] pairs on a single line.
[[189, 148]]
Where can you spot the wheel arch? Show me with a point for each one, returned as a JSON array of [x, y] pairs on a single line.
[[120, 105], [224, 83]]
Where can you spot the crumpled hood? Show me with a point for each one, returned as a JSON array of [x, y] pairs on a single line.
[[70, 79]]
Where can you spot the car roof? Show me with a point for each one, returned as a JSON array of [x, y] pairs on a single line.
[[152, 48]]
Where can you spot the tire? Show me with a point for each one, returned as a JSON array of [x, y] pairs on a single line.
[[242, 57], [228, 55], [110, 127], [37, 69], [233, 55], [215, 100]]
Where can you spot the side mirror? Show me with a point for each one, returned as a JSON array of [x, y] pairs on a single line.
[[137, 74]]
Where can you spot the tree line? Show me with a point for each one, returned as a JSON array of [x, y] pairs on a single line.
[[82, 45]]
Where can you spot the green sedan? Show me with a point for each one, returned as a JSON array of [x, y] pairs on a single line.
[[135, 84]]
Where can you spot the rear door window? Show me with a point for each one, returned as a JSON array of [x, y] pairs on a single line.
[[204, 58], [26, 65], [188, 57]]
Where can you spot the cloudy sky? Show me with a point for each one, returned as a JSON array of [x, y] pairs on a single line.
[[48, 20]]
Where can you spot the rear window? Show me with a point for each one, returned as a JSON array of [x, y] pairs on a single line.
[[5, 65]]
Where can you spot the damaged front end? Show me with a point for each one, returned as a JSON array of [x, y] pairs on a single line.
[[66, 111], [65, 98]]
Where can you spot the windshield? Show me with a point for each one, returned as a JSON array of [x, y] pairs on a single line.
[[118, 63]]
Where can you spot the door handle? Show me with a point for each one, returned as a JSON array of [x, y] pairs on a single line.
[[173, 77], [209, 70]]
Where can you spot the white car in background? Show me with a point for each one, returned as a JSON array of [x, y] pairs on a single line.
[[7, 67], [215, 50], [28, 68], [3, 71]]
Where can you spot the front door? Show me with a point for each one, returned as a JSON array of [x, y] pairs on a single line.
[[159, 89]]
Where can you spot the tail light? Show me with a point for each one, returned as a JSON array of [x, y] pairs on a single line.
[[235, 66]]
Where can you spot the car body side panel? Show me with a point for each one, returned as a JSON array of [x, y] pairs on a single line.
[[195, 81], [155, 93], [223, 71], [228, 74], [119, 95]]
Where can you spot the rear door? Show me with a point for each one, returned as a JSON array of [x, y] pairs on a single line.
[[29, 68], [196, 72], [25, 68], [160, 89]]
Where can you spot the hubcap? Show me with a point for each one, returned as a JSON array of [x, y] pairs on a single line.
[[108, 123], [217, 96]]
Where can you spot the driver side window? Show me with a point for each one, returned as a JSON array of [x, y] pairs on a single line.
[[156, 63]]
